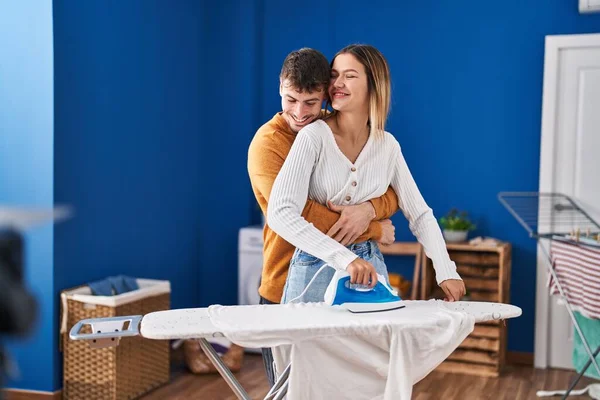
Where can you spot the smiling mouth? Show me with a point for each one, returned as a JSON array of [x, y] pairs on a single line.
[[300, 121], [340, 95]]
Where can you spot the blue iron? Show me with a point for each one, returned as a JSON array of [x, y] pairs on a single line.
[[361, 299]]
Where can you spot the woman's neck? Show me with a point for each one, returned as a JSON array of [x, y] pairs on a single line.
[[352, 126]]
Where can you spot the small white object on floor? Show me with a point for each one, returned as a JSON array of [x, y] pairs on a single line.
[[594, 392]]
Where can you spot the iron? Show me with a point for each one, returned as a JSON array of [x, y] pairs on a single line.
[[359, 298]]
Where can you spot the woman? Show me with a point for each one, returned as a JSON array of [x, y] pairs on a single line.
[[347, 159]]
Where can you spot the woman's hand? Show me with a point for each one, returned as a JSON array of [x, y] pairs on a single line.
[[362, 272], [454, 289]]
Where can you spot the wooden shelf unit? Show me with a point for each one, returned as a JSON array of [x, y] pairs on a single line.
[[486, 273]]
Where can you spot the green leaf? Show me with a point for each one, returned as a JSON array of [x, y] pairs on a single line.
[[457, 220]]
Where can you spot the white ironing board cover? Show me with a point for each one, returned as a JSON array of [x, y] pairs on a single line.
[[185, 323], [484, 311], [191, 323], [273, 325]]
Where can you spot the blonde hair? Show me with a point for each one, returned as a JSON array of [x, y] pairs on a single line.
[[379, 83]]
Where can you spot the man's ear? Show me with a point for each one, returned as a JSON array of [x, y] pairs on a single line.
[[280, 87]]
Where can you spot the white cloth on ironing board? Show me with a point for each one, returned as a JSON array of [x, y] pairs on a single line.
[[337, 354]]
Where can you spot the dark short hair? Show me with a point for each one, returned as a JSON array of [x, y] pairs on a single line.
[[307, 70]]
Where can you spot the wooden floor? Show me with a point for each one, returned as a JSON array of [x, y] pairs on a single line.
[[518, 382]]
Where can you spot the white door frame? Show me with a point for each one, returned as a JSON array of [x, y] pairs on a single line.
[[554, 44]]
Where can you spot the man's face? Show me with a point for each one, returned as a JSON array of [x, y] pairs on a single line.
[[299, 108]]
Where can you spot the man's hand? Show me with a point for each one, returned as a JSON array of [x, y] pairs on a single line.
[[454, 289], [388, 232], [362, 272], [353, 221]]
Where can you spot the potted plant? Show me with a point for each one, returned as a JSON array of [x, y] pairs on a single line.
[[456, 226]]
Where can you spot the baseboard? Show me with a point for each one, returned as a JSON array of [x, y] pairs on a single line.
[[19, 394], [519, 358]]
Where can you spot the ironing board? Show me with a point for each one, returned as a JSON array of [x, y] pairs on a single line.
[[268, 321]]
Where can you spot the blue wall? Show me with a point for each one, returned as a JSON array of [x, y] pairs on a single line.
[[26, 159], [149, 151], [232, 91], [467, 96], [130, 128], [128, 140]]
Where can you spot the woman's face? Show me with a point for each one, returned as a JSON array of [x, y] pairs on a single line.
[[348, 88]]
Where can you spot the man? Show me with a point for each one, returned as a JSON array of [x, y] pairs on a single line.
[[304, 80]]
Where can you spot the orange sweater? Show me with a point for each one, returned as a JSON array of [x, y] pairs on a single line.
[[266, 155]]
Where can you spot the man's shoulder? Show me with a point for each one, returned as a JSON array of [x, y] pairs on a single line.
[[271, 137], [268, 131], [274, 129]]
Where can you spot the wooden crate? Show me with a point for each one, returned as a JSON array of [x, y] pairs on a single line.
[[486, 273]]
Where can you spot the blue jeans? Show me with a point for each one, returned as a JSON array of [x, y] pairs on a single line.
[[267, 355], [304, 266]]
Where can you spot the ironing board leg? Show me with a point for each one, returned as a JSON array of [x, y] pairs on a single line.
[[223, 370], [585, 367], [280, 382], [283, 391]]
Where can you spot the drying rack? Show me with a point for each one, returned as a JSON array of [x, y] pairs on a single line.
[[555, 216]]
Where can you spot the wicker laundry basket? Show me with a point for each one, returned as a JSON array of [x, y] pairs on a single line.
[[127, 371]]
